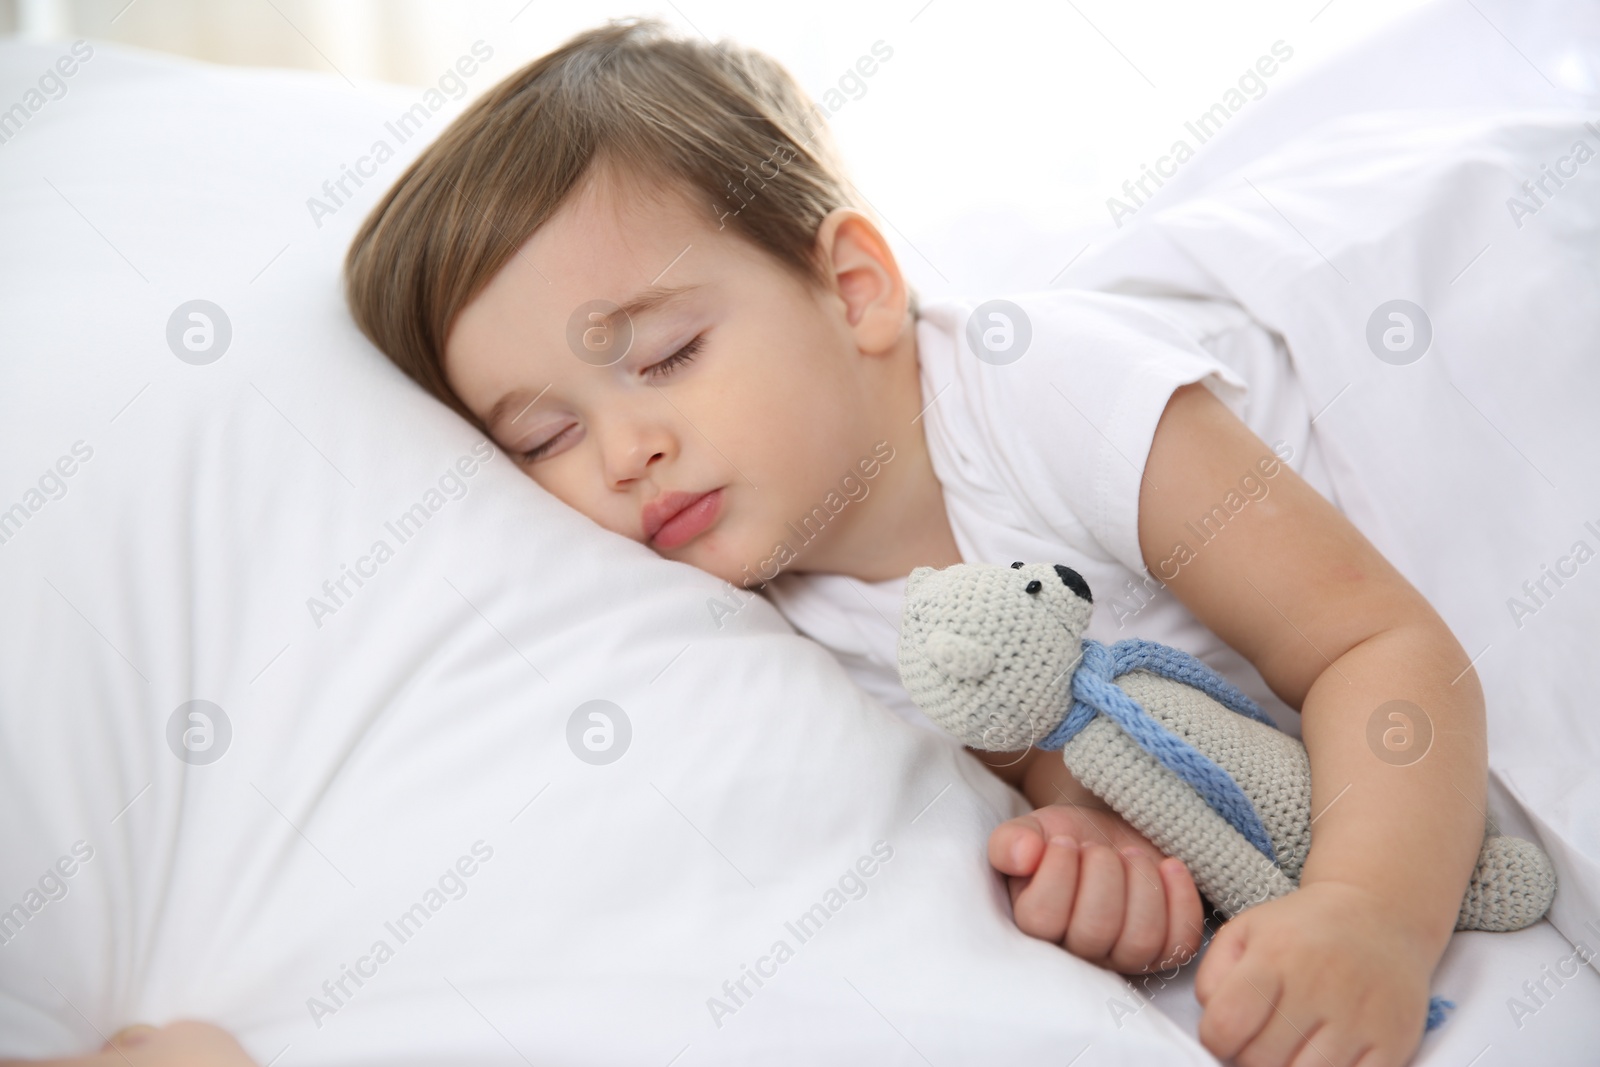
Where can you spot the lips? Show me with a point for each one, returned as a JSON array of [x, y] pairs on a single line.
[[672, 519]]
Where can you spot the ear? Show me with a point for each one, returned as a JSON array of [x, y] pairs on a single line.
[[865, 277]]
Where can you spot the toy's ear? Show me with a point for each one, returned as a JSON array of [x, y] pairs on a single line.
[[915, 579], [1073, 581]]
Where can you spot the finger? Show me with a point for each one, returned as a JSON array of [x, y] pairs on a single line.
[[1144, 917], [1017, 845], [1241, 1006], [129, 1037], [1327, 1044], [1279, 1042], [1221, 958], [207, 1043], [1015, 886], [1043, 906], [1185, 915], [1377, 1057], [1097, 912]]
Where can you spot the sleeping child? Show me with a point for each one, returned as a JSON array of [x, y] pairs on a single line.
[[638, 265]]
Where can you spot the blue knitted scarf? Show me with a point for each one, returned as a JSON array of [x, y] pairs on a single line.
[[1095, 693]]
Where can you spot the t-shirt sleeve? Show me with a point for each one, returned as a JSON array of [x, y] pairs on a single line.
[[1075, 416]]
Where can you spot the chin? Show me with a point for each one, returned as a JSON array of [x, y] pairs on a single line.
[[721, 564], [725, 557]]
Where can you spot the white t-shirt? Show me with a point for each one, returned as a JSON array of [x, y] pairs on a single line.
[[1041, 459]]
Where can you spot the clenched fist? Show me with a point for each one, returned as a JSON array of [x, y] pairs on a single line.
[[1086, 880]]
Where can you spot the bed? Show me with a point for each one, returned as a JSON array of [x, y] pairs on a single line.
[[322, 723]]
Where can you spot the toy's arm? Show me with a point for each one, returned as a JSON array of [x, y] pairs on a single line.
[[1337, 632]]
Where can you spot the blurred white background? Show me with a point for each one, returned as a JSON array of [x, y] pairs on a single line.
[[989, 116]]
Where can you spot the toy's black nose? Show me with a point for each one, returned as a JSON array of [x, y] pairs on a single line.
[[1074, 581]]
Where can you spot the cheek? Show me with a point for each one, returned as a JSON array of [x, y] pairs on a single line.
[[778, 409], [787, 442], [791, 441]]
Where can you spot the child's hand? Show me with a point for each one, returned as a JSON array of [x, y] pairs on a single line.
[[1325, 976], [1084, 879], [181, 1044]]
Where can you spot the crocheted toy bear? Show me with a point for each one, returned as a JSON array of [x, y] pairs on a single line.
[[997, 657]]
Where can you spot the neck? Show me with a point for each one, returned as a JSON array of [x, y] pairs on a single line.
[[902, 523]]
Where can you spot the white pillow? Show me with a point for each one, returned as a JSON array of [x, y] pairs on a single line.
[[405, 749]]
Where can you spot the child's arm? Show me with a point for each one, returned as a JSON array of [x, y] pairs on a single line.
[[1337, 632]]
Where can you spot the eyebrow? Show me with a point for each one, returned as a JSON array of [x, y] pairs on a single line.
[[651, 298]]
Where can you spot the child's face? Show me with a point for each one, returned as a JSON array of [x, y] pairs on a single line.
[[780, 398]]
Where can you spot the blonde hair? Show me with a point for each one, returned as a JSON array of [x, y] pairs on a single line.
[[725, 123]]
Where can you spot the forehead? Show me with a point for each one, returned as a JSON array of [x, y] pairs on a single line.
[[611, 238], [617, 232]]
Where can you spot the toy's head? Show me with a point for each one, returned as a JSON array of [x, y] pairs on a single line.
[[988, 651]]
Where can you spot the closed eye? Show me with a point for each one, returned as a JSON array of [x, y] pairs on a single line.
[[659, 370], [534, 453], [677, 359]]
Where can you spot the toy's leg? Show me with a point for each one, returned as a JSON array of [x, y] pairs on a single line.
[[1511, 887]]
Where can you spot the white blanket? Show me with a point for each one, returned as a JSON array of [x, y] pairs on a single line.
[[1459, 427], [1468, 458], [1472, 467]]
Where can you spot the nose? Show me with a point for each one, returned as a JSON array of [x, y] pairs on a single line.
[[631, 442]]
